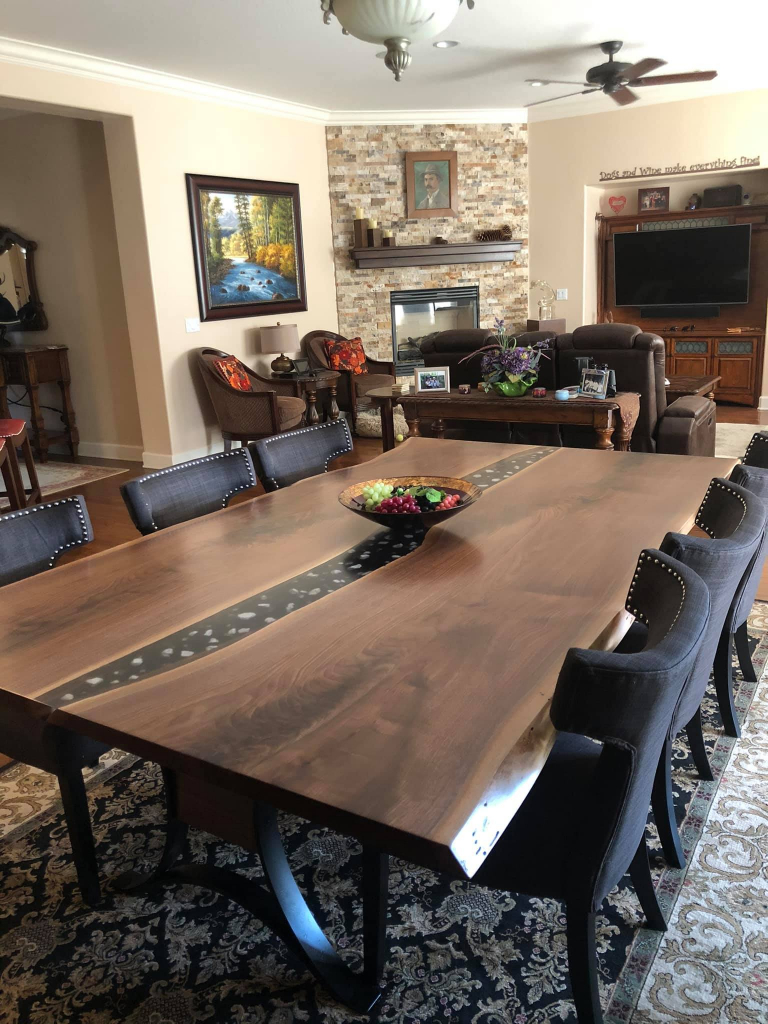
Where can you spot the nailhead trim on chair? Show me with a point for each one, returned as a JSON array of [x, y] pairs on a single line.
[[756, 439], [53, 504], [307, 430], [723, 487], [638, 614], [242, 452]]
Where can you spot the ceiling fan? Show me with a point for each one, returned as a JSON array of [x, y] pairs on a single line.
[[614, 77]]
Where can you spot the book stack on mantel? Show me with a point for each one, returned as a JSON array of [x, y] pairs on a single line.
[[436, 255]]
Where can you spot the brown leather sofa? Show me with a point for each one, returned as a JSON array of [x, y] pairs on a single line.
[[686, 427]]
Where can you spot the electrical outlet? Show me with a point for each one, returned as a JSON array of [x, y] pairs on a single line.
[[192, 324], [562, 293]]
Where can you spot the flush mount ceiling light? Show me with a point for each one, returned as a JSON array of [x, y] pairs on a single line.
[[395, 23], [445, 44], [536, 81]]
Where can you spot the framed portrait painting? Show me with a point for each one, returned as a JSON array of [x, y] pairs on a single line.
[[432, 184], [246, 236]]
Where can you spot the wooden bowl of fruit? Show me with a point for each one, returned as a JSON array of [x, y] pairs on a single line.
[[402, 501]]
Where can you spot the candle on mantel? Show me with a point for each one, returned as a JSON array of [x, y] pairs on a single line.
[[359, 213], [387, 234], [372, 223]]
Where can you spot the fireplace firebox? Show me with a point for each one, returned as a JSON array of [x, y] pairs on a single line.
[[417, 315]]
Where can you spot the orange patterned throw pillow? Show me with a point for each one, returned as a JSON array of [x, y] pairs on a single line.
[[346, 355], [234, 373]]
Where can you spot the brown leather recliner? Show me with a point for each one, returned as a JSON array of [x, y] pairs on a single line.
[[686, 427]]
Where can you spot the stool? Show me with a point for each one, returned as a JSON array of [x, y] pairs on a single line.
[[14, 435], [5, 466]]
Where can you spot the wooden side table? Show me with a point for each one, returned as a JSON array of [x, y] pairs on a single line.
[[681, 385], [30, 366], [307, 385]]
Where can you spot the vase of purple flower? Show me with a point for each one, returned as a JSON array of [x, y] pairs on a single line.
[[508, 367]]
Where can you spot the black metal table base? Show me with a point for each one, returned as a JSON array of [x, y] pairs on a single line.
[[277, 901]]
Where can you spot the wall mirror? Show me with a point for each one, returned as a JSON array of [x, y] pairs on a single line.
[[20, 305]]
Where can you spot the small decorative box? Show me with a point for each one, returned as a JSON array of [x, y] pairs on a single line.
[[562, 394], [539, 392], [465, 389]]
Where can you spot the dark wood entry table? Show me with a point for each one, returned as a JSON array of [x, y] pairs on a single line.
[[221, 649], [604, 415], [307, 385], [679, 386], [30, 366]]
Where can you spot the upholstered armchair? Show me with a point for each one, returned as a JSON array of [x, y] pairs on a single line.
[[268, 409], [686, 427], [352, 387]]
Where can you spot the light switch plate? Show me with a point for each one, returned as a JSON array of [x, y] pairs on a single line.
[[562, 293], [192, 324]]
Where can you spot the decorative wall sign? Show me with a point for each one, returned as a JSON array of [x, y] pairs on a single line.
[[617, 203], [659, 172], [248, 250]]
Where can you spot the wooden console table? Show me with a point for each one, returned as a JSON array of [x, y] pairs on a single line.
[[29, 366], [603, 415]]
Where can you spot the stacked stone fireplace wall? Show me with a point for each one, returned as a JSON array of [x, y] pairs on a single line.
[[367, 169]]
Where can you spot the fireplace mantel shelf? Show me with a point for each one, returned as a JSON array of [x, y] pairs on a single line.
[[435, 255]]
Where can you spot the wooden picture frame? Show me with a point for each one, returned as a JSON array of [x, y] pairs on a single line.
[[440, 383], [443, 167], [248, 249], [653, 200]]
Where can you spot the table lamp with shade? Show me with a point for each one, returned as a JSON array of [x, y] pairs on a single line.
[[278, 339]]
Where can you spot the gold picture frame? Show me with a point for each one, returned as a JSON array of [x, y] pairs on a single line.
[[432, 184]]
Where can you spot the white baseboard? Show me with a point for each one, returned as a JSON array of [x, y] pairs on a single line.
[[161, 460], [97, 450], [762, 404]]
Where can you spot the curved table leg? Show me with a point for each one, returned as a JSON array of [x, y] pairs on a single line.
[[438, 426], [334, 403], [413, 426], [312, 416], [282, 907], [603, 425]]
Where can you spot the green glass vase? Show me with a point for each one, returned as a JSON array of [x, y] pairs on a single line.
[[512, 389]]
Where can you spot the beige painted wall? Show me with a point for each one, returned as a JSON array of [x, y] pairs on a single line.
[[55, 190], [153, 139], [567, 155]]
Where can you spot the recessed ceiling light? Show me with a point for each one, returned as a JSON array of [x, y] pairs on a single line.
[[536, 82], [445, 44]]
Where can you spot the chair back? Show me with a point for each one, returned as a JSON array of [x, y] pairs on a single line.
[[626, 702], [757, 451], [34, 538], [734, 520], [753, 479], [638, 360], [296, 454], [315, 348], [189, 490], [236, 411]]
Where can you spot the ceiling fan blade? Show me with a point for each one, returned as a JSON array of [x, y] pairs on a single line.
[[690, 76], [555, 81], [623, 97], [552, 99], [643, 67]]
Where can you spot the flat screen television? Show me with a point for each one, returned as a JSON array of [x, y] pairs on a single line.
[[688, 267]]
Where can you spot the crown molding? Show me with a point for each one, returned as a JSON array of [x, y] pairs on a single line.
[[501, 115], [51, 58]]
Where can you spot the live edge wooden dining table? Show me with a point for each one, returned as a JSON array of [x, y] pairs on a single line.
[[285, 654]]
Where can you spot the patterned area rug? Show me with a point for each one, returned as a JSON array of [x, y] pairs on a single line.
[[56, 477], [731, 439], [459, 953]]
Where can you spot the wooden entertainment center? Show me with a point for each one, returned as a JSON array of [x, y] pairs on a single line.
[[730, 345]]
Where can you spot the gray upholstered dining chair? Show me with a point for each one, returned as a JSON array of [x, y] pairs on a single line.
[[188, 490], [33, 539], [757, 450], [734, 634], [582, 826], [282, 460], [734, 521]]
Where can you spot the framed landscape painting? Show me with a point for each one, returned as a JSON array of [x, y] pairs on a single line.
[[246, 236]]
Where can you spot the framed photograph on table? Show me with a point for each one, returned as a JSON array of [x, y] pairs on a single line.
[[653, 200], [432, 380], [432, 184], [246, 236]]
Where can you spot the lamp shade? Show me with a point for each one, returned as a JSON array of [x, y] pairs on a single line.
[[280, 338], [376, 21]]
